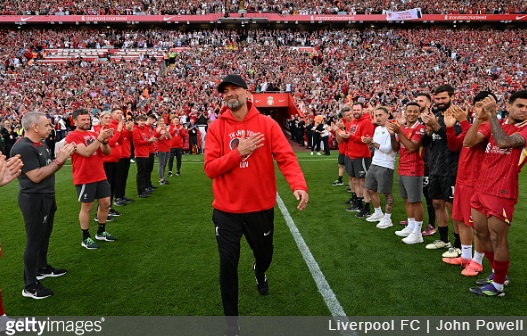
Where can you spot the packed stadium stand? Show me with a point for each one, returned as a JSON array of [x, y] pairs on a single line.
[[194, 7], [158, 66]]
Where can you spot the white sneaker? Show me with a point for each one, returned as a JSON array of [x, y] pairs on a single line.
[[385, 223], [452, 253], [311, 153], [413, 238], [404, 232], [375, 217], [318, 153], [437, 245]]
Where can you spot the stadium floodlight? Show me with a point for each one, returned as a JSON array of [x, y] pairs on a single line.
[[286, 22], [296, 22], [188, 22], [60, 22]]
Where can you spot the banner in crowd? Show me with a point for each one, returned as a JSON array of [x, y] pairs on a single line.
[[412, 14]]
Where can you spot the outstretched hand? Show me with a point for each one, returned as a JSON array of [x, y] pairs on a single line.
[[303, 197]]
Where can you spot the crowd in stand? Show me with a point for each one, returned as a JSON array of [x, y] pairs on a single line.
[[386, 66], [286, 7]]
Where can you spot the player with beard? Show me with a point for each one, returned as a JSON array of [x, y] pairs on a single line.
[[242, 146], [425, 101], [496, 189], [443, 169], [359, 156], [89, 177]]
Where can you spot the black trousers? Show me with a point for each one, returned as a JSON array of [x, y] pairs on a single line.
[[142, 174], [316, 142], [39, 213], [123, 166], [258, 228], [178, 153], [110, 168], [193, 144], [326, 145], [151, 160]]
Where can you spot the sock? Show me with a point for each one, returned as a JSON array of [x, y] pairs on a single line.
[[466, 251], [497, 286], [358, 202], [457, 241], [388, 216], [2, 312], [366, 207], [102, 228], [354, 197], [478, 257], [411, 224], [340, 179], [85, 234], [490, 258], [418, 226], [443, 234], [501, 268], [377, 211]]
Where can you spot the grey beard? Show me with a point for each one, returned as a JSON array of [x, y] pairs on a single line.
[[234, 104]]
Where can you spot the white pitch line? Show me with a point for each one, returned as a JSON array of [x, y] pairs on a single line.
[[324, 288]]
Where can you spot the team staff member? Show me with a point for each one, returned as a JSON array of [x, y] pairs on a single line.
[[111, 161], [152, 148], [9, 170], [123, 166], [359, 155], [178, 133], [142, 140], [163, 148], [241, 146], [341, 146], [89, 177], [37, 200], [496, 190]]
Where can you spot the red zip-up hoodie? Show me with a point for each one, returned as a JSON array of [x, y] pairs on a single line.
[[242, 185], [140, 139]]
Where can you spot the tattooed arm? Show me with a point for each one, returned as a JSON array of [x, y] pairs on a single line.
[[502, 139]]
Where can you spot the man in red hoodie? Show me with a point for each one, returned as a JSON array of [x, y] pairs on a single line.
[[142, 140], [241, 146]]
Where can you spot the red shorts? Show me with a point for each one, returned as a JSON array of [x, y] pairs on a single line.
[[499, 207], [461, 205]]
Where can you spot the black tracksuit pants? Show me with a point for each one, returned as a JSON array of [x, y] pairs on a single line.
[[258, 228], [39, 213]]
